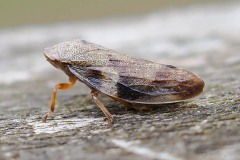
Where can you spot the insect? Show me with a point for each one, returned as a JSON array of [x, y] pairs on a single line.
[[125, 79]]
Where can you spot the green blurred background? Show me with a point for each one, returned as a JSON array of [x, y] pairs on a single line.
[[25, 12]]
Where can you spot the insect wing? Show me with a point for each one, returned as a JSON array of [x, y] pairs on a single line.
[[135, 80]]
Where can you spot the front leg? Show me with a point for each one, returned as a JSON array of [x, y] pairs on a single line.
[[62, 86]]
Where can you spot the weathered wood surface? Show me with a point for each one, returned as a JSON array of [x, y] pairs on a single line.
[[206, 128]]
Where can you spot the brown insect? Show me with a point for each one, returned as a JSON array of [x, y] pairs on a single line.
[[126, 79]]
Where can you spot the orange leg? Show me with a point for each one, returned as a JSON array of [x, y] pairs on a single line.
[[62, 86], [110, 118]]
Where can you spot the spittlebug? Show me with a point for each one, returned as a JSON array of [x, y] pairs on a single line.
[[125, 79]]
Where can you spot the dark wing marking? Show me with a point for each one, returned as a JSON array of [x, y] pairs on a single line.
[[136, 80]]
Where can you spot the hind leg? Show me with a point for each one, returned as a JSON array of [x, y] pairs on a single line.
[[110, 118]]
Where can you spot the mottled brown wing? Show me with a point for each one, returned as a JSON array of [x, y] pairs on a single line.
[[136, 80]]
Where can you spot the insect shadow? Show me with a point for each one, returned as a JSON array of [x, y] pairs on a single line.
[[138, 109]]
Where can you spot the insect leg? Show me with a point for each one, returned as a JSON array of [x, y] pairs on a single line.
[[110, 118], [62, 86]]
